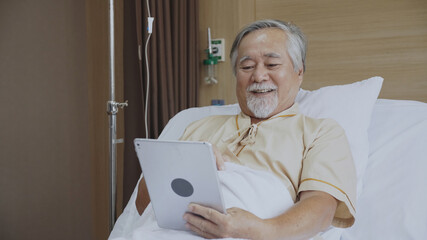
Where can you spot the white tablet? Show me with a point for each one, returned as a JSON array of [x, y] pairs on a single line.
[[178, 173]]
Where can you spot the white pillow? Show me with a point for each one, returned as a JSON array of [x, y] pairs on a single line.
[[351, 106]]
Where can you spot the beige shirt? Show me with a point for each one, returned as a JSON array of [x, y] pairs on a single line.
[[305, 153]]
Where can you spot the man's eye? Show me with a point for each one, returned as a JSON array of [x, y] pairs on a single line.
[[246, 67], [272, 65]]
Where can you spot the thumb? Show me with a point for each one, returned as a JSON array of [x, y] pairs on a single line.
[[219, 158]]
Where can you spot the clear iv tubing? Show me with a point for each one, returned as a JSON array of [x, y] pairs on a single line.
[[148, 76], [148, 87]]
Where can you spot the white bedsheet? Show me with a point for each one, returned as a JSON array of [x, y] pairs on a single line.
[[393, 202], [259, 192]]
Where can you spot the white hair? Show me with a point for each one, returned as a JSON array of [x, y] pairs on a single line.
[[296, 44]]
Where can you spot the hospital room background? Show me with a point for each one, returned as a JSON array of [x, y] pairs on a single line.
[[54, 88]]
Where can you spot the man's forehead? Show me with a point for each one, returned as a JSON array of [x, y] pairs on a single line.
[[266, 55]]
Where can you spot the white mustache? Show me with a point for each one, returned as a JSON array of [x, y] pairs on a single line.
[[261, 87]]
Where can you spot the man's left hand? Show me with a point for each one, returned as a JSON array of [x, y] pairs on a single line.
[[237, 223]]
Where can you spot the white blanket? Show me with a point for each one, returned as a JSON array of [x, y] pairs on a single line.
[[259, 192]]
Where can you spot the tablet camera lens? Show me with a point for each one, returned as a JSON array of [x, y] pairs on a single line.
[[182, 187]]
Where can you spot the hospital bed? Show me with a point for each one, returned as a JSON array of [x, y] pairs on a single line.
[[388, 139]]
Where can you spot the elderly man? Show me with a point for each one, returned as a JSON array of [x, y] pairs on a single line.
[[311, 156]]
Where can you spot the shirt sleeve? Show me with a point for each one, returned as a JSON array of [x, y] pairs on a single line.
[[328, 167], [189, 130]]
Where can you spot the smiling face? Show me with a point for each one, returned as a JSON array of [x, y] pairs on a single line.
[[266, 81]]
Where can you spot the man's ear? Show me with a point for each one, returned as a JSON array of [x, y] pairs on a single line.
[[301, 74]]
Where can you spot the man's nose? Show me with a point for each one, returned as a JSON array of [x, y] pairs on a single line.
[[260, 74]]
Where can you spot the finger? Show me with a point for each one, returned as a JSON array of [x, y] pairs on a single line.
[[219, 158], [206, 212], [200, 225], [200, 231]]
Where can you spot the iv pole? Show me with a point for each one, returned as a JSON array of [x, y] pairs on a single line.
[[112, 109]]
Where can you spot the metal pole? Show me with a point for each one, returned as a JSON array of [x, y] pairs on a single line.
[[113, 112], [112, 170], [112, 109]]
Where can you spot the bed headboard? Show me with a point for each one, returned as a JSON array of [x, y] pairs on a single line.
[[348, 41]]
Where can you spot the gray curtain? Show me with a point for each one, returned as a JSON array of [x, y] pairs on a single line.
[[174, 72]]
